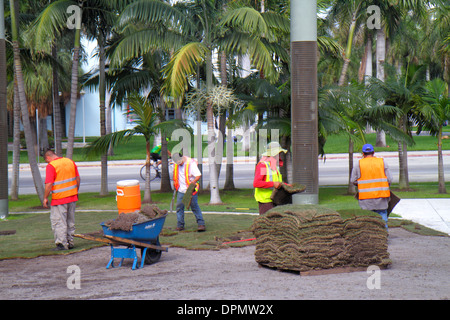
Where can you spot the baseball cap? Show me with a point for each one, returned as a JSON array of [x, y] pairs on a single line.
[[367, 148]]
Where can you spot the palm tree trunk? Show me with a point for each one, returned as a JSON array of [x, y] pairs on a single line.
[[37, 179], [403, 180], [73, 95], [3, 119], [351, 186], [73, 104], [229, 180], [57, 130], [147, 190], [381, 56], [348, 51], [102, 99], [441, 178], [16, 146], [213, 176], [165, 176]]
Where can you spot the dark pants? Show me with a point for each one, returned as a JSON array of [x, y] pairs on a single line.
[[194, 207], [263, 207]]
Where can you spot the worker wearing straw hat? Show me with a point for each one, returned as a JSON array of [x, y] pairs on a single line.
[[268, 176]]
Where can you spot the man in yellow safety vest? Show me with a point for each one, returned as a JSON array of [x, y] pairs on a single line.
[[186, 172], [373, 178], [62, 181]]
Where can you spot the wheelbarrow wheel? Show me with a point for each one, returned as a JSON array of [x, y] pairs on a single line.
[[152, 255]]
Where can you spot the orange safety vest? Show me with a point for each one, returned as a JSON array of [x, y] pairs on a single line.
[[373, 182], [176, 181], [65, 184]]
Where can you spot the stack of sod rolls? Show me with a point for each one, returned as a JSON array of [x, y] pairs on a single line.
[[312, 237]]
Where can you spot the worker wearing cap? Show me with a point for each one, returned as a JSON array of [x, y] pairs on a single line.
[[373, 178], [62, 181], [186, 172], [268, 176]]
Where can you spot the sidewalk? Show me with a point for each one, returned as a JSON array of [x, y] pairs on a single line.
[[431, 213]]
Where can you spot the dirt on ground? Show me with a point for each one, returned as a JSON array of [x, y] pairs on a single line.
[[420, 270]]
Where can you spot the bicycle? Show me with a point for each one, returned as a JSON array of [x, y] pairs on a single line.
[[155, 170]]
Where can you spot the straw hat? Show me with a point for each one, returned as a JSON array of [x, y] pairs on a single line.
[[273, 149]]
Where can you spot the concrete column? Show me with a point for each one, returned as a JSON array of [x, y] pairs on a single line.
[[304, 100]]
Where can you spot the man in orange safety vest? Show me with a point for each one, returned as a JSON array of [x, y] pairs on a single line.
[[62, 181], [186, 172], [373, 178]]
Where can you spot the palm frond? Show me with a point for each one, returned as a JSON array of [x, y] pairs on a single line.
[[141, 42], [51, 22], [246, 19], [153, 12], [181, 67], [101, 145]]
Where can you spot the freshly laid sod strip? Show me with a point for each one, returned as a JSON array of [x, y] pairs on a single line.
[[33, 236]]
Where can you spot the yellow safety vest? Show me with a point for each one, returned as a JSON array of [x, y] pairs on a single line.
[[263, 194], [373, 182], [176, 181], [65, 184]]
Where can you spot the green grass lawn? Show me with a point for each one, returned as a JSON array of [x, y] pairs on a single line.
[[339, 144], [34, 237], [135, 149]]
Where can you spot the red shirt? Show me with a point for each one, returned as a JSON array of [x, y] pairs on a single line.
[[50, 175], [260, 176]]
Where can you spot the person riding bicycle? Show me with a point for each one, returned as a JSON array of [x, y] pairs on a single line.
[[155, 154]]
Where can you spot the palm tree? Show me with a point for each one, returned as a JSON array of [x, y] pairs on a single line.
[[3, 117], [349, 110], [146, 124], [98, 18], [439, 33], [436, 111], [146, 34], [257, 40], [355, 12], [23, 103], [48, 26], [402, 91]]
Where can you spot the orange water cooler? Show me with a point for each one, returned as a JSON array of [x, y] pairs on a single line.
[[128, 196]]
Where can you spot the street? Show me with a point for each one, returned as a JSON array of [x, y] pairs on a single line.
[[333, 171]]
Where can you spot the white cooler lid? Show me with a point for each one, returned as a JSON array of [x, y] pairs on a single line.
[[127, 183]]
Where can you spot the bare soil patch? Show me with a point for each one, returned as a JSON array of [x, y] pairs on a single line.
[[420, 270]]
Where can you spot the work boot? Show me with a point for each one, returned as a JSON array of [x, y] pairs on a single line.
[[59, 247], [201, 228]]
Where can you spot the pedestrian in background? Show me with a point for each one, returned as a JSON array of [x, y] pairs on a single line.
[[62, 181], [373, 178]]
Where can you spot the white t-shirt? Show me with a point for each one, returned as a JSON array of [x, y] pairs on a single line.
[[193, 172]]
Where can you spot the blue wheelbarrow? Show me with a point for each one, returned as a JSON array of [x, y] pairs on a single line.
[[144, 236]]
